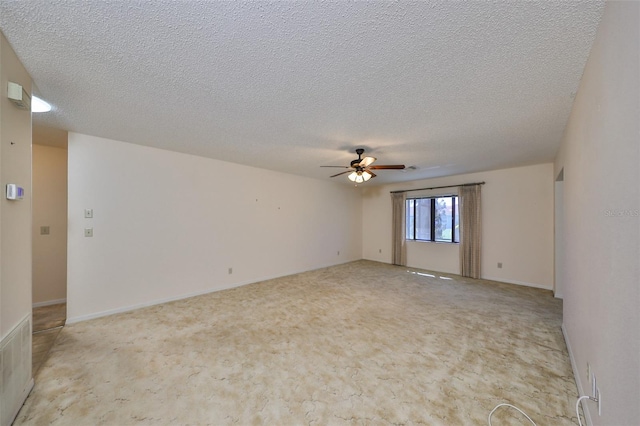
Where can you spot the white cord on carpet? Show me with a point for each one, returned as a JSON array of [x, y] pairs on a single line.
[[512, 406], [578, 407]]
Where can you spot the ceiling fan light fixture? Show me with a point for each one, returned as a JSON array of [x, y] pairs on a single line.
[[361, 168]]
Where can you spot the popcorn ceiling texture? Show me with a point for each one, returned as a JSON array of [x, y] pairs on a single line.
[[450, 87]]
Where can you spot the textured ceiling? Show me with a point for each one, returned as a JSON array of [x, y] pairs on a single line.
[[448, 87]]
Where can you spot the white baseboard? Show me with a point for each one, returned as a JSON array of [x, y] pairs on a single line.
[[48, 303], [500, 280], [516, 282], [576, 375], [72, 320]]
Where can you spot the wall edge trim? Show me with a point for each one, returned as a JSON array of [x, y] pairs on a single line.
[[516, 282], [49, 303], [576, 374]]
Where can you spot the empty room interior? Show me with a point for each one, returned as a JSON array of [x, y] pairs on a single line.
[[320, 213]]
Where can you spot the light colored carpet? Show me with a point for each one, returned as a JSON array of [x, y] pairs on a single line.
[[360, 343]]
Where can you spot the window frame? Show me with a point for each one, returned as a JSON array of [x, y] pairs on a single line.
[[411, 236]]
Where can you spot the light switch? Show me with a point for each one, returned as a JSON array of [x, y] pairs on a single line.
[[88, 213], [44, 230], [88, 232]]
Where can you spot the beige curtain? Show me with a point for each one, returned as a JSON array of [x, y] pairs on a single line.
[[471, 231], [398, 250]]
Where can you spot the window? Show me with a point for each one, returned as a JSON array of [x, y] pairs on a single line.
[[433, 219]]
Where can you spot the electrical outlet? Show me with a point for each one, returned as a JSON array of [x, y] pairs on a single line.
[[338, 252], [230, 271], [379, 250], [88, 232], [499, 265]]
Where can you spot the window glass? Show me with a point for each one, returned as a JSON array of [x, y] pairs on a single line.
[[423, 219], [456, 232], [433, 219], [443, 225], [410, 219]]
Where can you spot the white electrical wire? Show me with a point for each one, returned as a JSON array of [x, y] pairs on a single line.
[[578, 407], [512, 406]]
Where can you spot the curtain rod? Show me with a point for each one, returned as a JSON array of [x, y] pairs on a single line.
[[439, 187]]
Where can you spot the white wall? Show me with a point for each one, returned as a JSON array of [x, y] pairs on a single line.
[[15, 241], [600, 157], [168, 225], [15, 230], [517, 226], [49, 209]]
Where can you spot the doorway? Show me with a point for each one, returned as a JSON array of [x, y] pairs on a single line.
[[49, 239]]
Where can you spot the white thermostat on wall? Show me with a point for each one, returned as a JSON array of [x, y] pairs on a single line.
[[14, 192]]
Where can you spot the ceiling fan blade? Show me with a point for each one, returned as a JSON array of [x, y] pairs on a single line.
[[371, 173], [388, 167], [366, 161], [348, 171], [342, 167]]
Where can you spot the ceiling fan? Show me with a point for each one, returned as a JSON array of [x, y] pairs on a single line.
[[361, 168]]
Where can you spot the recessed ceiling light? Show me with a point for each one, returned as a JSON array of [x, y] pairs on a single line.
[[38, 105]]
